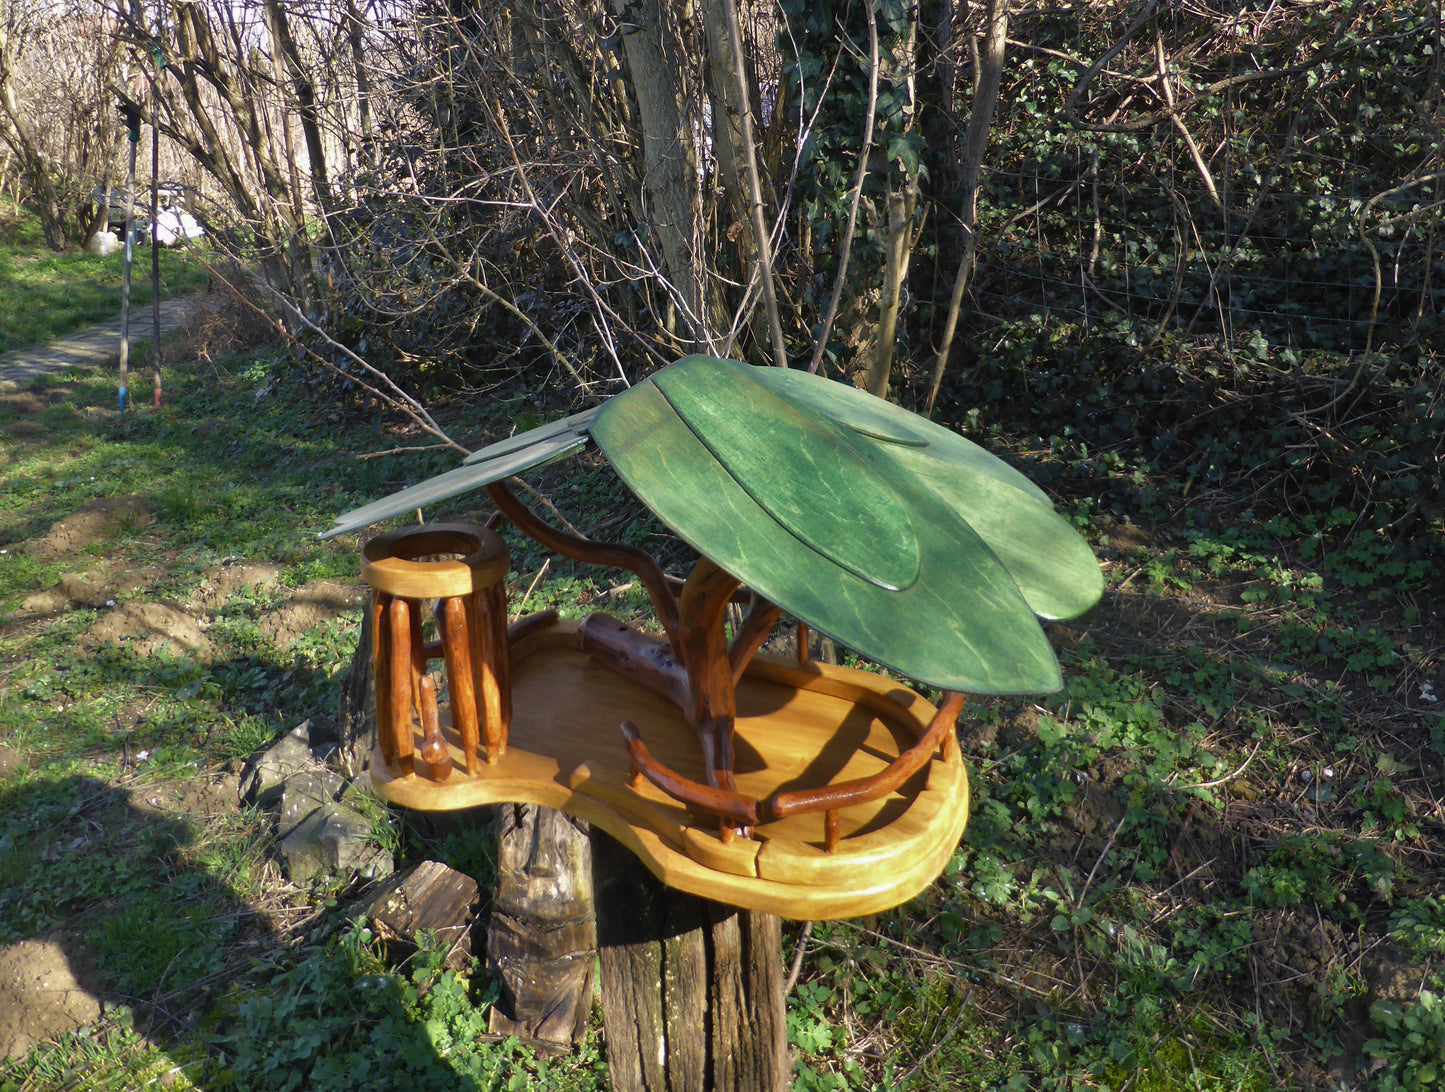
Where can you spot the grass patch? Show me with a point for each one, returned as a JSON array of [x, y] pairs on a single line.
[[119, 828], [44, 295], [110, 1056]]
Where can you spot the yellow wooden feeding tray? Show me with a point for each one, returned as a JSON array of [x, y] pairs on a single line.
[[795, 788]]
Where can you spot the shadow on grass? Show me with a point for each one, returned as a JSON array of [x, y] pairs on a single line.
[[162, 922]]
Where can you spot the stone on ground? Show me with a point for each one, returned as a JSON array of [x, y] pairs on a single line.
[[334, 841], [266, 773], [305, 793]]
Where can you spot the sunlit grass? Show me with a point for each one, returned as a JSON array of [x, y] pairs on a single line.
[[44, 295]]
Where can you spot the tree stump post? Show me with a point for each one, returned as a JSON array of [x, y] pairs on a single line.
[[692, 991], [542, 936], [356, 711]]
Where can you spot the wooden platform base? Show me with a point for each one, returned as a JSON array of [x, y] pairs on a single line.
[[796, 728]]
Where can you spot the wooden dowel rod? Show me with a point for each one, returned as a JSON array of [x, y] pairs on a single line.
[[400, 682], [418, 659], [456, 645], [490, 703], [434, 753], [381, 674], [501, 651]]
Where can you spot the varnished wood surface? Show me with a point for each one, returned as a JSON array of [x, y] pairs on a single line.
[[465, 576], [797, 728], [389, 561]]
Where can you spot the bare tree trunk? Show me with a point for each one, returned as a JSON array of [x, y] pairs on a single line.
[[278, 72], [16, 132], [354, 25], [306, 109], [901, 234], [897, 250], [727, 134], [985, 99], [733, 139], [656, 59]]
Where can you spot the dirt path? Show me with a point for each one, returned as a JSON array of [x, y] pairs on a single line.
[[93, 344]]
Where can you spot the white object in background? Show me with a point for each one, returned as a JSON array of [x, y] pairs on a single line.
[[103, 243], [173, 225]]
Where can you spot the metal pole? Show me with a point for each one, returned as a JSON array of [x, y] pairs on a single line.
[[155, 242], [125, 280]]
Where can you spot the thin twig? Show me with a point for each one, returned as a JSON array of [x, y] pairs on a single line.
[[1227, 777], [797, 967], [1089, 880], [522, 606], [402, 451], [547, 504], [825, 331], [1194, 152]]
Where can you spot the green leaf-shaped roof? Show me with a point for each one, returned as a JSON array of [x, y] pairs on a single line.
[[892, 534], [812, 476], [1053, 567], [515, 455]]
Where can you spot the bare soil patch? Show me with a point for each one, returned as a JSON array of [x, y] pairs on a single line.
[[42, 994], [11, 761], [97, 586], [311, 605], [99, 520], [150, 627], [224, 581], [210, 793], [47, 601], [22, 401]]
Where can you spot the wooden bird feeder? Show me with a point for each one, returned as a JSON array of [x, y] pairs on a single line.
[[790, 787]]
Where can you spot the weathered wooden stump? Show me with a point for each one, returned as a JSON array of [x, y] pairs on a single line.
[[356, 710], [429, 896], [542, 936], [692, 990]]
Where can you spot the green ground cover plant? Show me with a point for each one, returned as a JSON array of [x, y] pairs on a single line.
[[1209, 862], [44, 295]]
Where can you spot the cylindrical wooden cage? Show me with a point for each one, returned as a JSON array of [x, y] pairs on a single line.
[[464, 569]]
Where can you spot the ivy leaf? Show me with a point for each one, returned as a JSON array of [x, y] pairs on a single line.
[[907, 148], [894, 15]]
